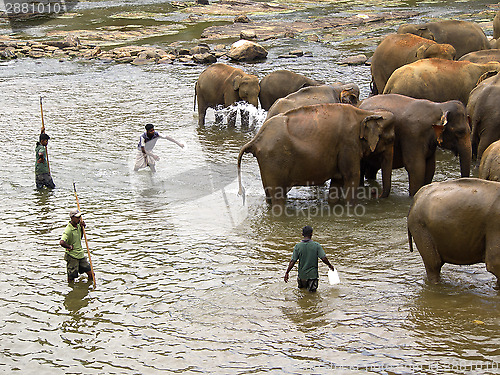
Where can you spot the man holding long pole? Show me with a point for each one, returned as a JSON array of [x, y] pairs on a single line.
[[71, 240], [42, 167]]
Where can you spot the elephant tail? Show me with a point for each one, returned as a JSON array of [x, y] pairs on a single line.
[[194, 104], [246, 148], [410, 241]]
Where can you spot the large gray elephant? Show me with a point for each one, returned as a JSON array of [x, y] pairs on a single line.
[[484, 110], [457, 222], [397, 50], [419, 126], [309, 145], [489, 169], [221, 84], [465, 36], [483, 56], [280, 83], [438, 80], [336, 93]]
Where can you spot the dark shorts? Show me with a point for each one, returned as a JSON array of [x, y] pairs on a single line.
[[310, 284], [76, 266], [44, 179]]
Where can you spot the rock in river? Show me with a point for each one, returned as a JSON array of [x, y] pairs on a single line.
[[245, 50]]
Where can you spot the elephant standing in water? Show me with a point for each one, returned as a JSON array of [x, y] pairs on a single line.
[[419, 126], [279, 84], [396, 50], [221, 84], [438, 80], [457, 222], [336, 93], [489, 169], [484, 110], [465, 36], [309, 145]]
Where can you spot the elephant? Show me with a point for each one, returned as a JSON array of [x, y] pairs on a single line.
[[485, 114], [337, 93], [397, 50], [309, 145], [419, 126], [489, 169], [279, 84], [456, 222], [483, 56], [438, 80], [221, 84], [465, 36]]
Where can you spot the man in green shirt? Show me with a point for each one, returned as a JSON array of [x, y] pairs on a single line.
[[307, 253], [42, 171], [71, 240]]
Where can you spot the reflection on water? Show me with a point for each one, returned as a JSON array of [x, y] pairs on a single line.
[[188, 278], [76, 299]]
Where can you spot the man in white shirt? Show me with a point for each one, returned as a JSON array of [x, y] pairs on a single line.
[[147, 141]]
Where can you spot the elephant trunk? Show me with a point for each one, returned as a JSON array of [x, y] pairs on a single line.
[[465, 155], [246, 148], [387, 172]]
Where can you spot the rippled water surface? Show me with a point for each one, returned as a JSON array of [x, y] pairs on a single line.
[[188, 278]]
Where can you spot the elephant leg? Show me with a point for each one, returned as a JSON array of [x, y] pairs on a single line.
[[277, 195], [416, 175], [430, 168], [245, 118], [492, 257], [483, 145], [427, 249], [371, 172], [335, 191], [202, 110], [231, 118], [266, 191], [218, 117]]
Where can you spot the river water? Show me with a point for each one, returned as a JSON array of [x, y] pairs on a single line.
[[189, 280]]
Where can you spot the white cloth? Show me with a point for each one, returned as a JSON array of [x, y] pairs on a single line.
[[143, 161]]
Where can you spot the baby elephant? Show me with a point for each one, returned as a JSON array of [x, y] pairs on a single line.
[[336, 93], [221, 84], [489, 169], [457, 222]]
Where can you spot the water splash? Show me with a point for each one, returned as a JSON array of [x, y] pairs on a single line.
[[240, 114]]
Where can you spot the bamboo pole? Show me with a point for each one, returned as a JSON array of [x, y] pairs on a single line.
[[43, 131], [85, 236]]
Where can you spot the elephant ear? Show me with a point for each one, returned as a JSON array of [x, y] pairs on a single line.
[[486, 75], [420, 53], [424, 32], [237, 82], [370, 130], [439, 128]]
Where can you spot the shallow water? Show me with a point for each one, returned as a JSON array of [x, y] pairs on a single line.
[[188, 278]]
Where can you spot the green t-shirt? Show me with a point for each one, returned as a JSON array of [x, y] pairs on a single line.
[[41, 154], [73, 236], [307, 253]]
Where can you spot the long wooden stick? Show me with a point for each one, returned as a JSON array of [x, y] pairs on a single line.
[[85, 236], [43, 131]]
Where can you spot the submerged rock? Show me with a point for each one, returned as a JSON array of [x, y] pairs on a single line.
[[354, 60]]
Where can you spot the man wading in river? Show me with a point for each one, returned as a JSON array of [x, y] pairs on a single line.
[[145, 156], [42, 170], [71, 240], [307, 253]]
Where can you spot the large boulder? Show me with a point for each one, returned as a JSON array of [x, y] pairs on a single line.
[[245, 50]]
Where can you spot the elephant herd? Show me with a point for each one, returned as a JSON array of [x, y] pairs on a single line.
[[422, 97]]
